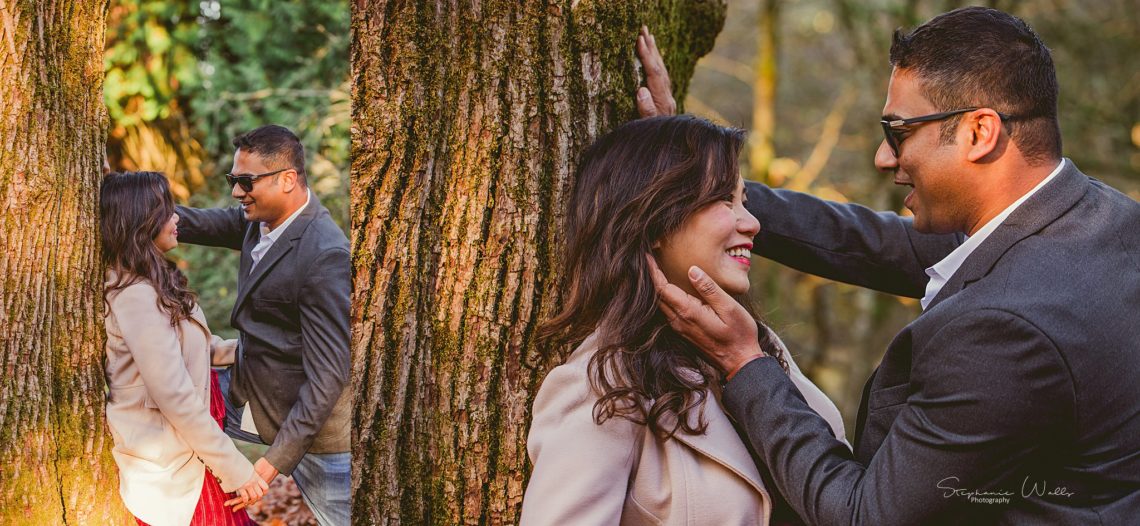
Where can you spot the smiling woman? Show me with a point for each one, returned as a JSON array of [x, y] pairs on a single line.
[[635, 398]]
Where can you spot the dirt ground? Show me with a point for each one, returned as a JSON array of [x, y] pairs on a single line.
[[282, 506]]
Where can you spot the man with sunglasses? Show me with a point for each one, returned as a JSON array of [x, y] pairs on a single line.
[[292, 312], [1012, 399]]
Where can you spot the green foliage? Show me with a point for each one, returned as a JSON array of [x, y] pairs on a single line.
[[150, 59], [283, 62]]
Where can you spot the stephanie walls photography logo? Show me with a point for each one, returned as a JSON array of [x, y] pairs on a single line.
[[1030, 488]]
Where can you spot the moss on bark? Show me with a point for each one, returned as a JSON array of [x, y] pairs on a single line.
[[55, 463], [468, 119]]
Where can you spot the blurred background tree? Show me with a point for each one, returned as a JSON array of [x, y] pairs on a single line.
[[808, 79], [184, 77]]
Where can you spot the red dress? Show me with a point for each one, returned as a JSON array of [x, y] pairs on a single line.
[[211, 510]]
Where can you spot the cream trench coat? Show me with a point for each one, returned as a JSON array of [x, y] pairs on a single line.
[[158, 408], [620, 473]]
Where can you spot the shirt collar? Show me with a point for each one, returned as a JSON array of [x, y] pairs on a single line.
[[950, 264], [276, 232], [942, 270]]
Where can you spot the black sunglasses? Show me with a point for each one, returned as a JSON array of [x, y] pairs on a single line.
[[246, 181], [893, 129]]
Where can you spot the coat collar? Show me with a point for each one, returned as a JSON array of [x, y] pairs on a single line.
[[196, 315], [720, 442], [1035, 213], [248, 280], [199, 319]]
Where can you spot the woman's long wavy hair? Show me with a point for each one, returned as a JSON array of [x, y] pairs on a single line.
[[635, 186], [133, 208]]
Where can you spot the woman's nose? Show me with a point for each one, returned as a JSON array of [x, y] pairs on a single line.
[[748, 224]]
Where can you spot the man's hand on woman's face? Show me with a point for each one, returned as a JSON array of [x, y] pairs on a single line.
[[656, 97], [718, 325]]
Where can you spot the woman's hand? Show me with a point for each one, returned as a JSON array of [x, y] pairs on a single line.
[[248, 493]]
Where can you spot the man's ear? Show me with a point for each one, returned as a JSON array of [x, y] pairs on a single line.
[[983, 128], [289, 180]]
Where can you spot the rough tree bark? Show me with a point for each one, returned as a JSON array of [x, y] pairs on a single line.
[[55, 463], [468, 118]]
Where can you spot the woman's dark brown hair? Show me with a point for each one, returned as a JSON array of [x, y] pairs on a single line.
[[635, 186], [133, 208]]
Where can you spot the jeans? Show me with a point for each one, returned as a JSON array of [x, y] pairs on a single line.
[[233, 413], [323, 478], [324, 481]]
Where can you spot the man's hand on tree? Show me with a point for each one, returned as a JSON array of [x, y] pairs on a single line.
[[656, 97], [719, 326]]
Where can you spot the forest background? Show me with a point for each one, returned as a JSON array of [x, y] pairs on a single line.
[[805, 77]]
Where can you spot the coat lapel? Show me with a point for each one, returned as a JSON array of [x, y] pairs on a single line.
[[199, 319], [722, 444], [248, 280], [1035, 213]]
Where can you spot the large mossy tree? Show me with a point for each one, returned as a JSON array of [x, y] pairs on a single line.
[[468, 118], [55, 463]]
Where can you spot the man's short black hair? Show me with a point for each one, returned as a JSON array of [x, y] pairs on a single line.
[[278, 146], [982, 57]]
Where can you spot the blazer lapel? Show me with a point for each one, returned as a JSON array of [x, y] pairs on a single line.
[[252, 236], [723, 445], [280, 247], [249, 279], [1035, 213]]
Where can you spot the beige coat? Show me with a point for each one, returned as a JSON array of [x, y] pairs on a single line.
[[158, 408], [620, 473]]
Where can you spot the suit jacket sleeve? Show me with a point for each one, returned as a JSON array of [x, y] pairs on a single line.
[[325, 357], [212, 227], [581, 470], [990, 385], [157, 352], [845, 242]]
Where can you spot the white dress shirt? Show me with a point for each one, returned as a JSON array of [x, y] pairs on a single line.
[[268, 237], [942, 271]]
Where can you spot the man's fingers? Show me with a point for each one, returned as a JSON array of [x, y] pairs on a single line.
[[670, 314], [645, 106], [655, 274], [679, 302], [711, 293], [656, 76]]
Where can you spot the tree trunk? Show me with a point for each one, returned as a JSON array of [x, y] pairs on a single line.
[[468, 118], [761, 140], [55, 463]]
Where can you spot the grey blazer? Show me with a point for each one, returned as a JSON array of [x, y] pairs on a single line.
[[292, 313], [1011, 400]]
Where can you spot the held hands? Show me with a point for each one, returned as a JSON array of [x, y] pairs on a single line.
[[656, 97], [248, 493], [715, 323], [255, 488]]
